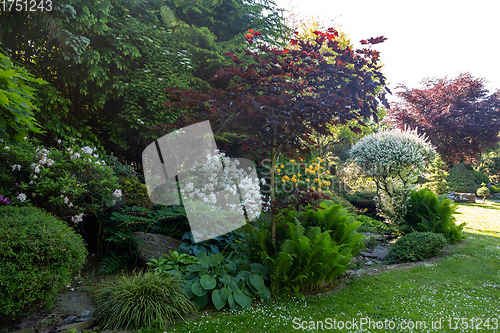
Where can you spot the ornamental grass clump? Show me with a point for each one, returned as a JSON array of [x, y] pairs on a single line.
[[394, 159], [142, 300]]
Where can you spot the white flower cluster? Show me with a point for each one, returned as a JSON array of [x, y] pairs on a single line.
[[88, 154], [117, 193], [77, 218], [67, 201], [223, 173]]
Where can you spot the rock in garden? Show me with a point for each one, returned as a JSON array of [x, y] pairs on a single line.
[[152, 246], [380, 252], [462, 197]]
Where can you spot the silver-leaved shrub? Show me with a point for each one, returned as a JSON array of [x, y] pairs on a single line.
[[394, 159]]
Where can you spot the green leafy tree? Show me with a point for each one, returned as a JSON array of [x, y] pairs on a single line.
[[483, 191], [109, 62], [16, 107]]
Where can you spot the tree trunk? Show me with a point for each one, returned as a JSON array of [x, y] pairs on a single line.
[[272, 193]]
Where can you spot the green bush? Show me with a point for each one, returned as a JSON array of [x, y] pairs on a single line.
[[495, 189], [141, 301], [491, 167], [436, 180], [369, 224], [481, 177], [340, 200], [134, 193], [462, 180], [312, 247], [363, 200], [429, 213], [38, 255], [230, 280], [416, 246]]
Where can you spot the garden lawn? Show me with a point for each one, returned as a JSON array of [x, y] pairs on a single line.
[[460, 293]]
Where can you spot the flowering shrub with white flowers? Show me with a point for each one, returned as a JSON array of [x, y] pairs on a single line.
[[394, 159], [70, 182], [219, 181]]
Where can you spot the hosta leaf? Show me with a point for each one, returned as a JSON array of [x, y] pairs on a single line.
[[198, 290], [230, 301], [207, 282], [256, 281], [243, 300], [219, 303], [225, 293]]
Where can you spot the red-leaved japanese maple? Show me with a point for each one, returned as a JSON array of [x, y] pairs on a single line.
[[277, 97], [458, 115]]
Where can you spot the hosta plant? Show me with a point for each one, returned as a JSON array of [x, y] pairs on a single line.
[[224, 281]]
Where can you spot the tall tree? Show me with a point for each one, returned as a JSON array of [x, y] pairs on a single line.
[[458, 115], [278, 96], [108, 62]]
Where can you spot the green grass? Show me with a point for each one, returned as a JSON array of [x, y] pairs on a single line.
[[465, 284]]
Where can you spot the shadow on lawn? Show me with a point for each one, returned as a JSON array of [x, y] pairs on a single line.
[[487, 206]]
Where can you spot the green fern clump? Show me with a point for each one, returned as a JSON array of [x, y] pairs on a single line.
[[313, 247], [416, 246], [142, 301], [428, 213]]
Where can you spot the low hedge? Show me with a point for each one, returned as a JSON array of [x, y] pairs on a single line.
[[38, 255]]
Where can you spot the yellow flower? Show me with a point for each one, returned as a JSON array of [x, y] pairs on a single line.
[[282, 166], [283, 181], [313, 188], [307, 180], [279, 170], [319, 189], [327, 172], [299, 175], [329, 191], [292, 160]]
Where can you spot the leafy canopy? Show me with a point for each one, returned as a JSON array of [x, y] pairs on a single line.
[[458, 115], [278, 96]]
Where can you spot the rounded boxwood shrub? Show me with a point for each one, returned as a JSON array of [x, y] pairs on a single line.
[[416, 246], [142, 300], [38, 255]]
